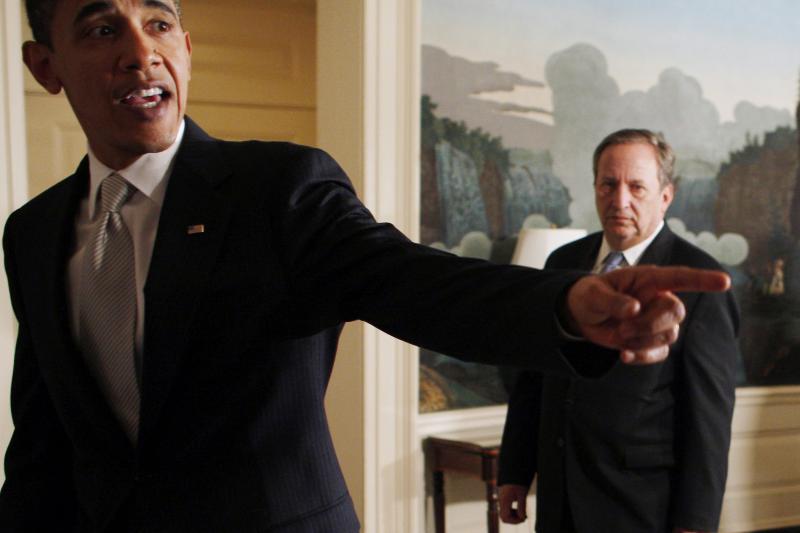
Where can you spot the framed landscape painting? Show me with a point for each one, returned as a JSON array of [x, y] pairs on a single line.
[[516, 94]]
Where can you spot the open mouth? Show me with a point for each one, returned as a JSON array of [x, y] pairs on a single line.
[[144, 98]]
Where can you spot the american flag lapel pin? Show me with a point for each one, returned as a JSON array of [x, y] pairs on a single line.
[[195, 228]]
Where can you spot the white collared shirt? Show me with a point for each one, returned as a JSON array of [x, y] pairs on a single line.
[[150, 175], [632, 254]]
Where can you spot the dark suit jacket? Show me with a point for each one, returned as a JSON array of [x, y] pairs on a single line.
[[641, 449], [241, 328]]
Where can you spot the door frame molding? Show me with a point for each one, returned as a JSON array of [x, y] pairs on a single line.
[[13, 183]]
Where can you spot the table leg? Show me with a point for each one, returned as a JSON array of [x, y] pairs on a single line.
[[438, 500], [492, 514]]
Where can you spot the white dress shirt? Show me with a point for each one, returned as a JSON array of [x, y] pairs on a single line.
[[150, 175], [632, 254]]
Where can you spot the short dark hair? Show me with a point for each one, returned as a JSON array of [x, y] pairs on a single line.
[[40, 18], [666, 157]]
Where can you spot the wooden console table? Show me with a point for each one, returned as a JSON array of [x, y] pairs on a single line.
[[473, 457]]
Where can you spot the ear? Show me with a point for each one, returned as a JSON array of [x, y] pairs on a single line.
[[39, 60], [189, 51], [667, 194]]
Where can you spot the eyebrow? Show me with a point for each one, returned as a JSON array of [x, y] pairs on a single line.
[[104, 6], [89, 10], [163, 6]]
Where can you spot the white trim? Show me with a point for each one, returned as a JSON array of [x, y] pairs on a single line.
[[393, 467], [753, 395], [487, 420], [12, 115], [13, 182]]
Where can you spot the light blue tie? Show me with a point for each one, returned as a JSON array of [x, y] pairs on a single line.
[[613, 261]]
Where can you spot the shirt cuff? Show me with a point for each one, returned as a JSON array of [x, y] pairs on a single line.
[[566, 335]]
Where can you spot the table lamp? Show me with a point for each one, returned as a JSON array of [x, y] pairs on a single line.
[[535, 244]]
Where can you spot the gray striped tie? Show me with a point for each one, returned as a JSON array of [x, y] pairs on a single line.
[[108, 306]]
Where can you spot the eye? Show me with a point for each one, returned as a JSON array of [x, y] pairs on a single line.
[[605, 186], [101, 31], [161, 26]]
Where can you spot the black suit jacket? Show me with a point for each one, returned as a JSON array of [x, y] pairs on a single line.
[[641, 449], [241, 328]]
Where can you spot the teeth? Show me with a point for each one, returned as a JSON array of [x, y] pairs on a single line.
[[144, 93]]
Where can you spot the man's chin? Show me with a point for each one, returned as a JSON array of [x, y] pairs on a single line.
[[619, 238], [157, 146], [151, 136], [125, 152], [154, 141], [621, 231]]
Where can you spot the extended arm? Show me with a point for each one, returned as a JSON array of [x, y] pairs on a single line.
[[347, 266]]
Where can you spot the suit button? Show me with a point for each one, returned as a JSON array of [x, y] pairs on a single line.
[[560, 442]]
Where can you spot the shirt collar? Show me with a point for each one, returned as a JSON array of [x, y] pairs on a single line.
[[632, 254], [147, 173]]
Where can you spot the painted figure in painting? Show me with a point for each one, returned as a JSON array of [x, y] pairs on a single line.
[[638, 449], [776, 287]]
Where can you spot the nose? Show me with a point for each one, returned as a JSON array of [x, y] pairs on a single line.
[[138, 51], [621, 196]]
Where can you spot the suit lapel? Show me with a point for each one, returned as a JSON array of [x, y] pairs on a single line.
[[588, 255], [582, 257], [659, 251], [183, 257], [52, 255], [61, 362]]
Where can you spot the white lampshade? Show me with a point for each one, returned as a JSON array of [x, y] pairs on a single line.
[[535, 244]]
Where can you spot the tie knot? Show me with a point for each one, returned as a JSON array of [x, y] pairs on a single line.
[[612, 261], [114, 192]]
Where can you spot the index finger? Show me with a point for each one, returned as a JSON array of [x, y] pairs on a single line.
[[682, 279], [685, 279]]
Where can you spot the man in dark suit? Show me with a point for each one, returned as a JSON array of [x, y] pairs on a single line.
[[180, 299], [641, 449]]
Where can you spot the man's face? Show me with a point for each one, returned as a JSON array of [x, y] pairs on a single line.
[[125, 67], [629, 198]]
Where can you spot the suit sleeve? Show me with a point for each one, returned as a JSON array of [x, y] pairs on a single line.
[[346, 266], [518, 463], [704, 401], [38, 493]]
